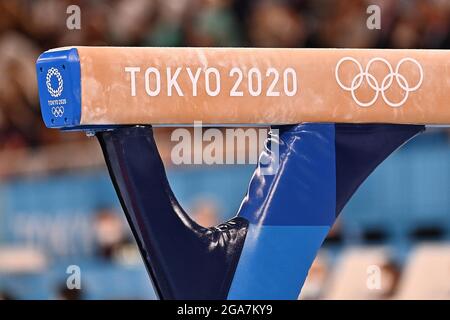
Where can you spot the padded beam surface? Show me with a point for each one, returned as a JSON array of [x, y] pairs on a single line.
[[98, 86]]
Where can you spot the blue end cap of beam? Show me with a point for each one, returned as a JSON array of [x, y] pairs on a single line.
[[59, 84]]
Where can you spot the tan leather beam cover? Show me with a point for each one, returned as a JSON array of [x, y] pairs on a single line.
[[268, 86]]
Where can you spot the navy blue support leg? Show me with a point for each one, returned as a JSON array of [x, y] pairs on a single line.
[[185, 260]]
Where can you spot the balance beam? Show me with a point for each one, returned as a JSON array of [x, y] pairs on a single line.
[[86, 87], [266, 250]]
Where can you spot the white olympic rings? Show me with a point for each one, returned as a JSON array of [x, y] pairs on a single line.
[[375, 85], [58, 111]]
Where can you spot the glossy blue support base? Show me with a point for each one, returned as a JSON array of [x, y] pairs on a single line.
[[266, 250]]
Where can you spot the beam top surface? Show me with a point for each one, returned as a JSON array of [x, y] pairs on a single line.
[[85, 87]]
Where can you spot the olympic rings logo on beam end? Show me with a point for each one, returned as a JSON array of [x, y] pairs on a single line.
[[373, 83], [58, 111]]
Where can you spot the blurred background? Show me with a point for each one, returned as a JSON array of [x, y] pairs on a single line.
[[57, 204]]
